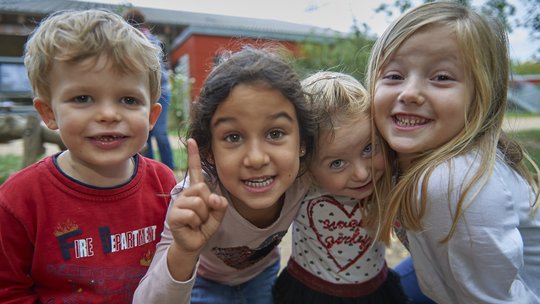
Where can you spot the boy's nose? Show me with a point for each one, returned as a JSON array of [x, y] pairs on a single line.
[[108, 112]]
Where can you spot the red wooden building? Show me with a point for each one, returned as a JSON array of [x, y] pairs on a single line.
[[197, 52], [191, 40]]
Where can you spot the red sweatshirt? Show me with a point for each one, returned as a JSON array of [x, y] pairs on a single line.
[[65, 242]]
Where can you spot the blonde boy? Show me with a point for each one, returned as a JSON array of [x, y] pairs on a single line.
[[81, 226]]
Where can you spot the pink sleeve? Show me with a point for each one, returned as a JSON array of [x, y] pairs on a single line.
[[158, 286]]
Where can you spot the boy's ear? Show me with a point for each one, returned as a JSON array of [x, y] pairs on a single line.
[[155, 110], [45, 111]]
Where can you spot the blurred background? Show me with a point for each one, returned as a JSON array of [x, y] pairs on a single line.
[[320, 34]]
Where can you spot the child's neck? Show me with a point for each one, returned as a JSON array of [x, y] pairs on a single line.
[[106, 176], [261, 218], [405, 162]]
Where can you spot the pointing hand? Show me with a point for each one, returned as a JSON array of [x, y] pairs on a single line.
[[195, 214]]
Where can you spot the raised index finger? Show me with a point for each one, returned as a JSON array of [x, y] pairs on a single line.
[[194, 162]]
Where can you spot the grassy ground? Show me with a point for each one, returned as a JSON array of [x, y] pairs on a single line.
[[180, 158], [531, 141], [9, 164]]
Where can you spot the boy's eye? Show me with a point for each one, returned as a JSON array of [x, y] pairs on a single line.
[[337, 164], [232, 138], [82, 99], [275, 134]]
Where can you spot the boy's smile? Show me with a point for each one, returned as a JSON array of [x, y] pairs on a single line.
[[103, 116]]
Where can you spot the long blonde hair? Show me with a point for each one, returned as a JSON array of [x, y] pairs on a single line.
[[483, 47]]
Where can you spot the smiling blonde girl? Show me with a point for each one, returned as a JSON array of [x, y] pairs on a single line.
[[439, 81]]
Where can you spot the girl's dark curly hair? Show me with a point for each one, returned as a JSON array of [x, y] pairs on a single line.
[[254, 66]]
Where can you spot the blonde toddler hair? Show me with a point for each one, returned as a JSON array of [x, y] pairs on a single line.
[[74, 36]]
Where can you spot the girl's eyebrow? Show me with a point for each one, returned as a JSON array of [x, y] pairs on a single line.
[[281, 114], [223, 120], [274, 116]]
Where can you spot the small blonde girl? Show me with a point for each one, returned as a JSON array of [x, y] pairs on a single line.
[[336, 257]]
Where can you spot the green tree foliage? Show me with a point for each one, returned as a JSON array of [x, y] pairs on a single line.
[[526, 68], [180, 100], [502, 9], [347, 54]]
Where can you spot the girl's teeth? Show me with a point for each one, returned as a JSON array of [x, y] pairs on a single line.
[[408, 122], [259, 182]]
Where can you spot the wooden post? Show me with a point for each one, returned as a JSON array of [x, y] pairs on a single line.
[[11, 127], [53, 137], [33, 133], [32, 140]]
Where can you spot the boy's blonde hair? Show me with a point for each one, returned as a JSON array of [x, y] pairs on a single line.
[[483, 46], [74, 36], [336, 99]]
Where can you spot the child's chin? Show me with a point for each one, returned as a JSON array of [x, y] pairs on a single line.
[[362, 196]]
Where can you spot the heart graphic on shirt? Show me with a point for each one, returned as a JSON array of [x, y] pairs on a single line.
[[339, 229], [242, 257]]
